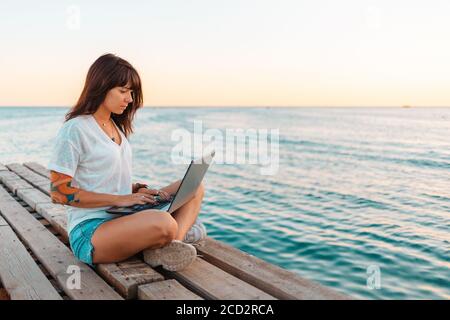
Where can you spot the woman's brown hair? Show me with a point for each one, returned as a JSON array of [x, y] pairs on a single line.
[[106, 73]]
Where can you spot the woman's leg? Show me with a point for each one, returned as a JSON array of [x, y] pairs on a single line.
[[187, 213], [121, 238]]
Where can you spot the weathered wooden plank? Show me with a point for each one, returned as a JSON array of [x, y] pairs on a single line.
[[128, 275], [50, 209], [20, 275], [33, 176], [15, 167], [3, 222], [27, 174], [36, 179], [15, 185], [125, 276], [53, 254], [38, 168], [166, 290], [8, 175], [44, 187], [33, 197], [3, 168], [274, 280], [60, 225], [213, 283], [12, 166], [56, 215]]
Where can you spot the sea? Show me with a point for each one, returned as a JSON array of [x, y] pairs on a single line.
[[357, 199]]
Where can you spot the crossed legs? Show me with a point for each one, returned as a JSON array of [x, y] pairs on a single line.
[[121, 238]]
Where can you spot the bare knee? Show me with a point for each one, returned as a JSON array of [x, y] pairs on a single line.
[[168, 228]]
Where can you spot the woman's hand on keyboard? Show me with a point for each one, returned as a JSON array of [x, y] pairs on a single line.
[[155, 192], [134, 198], [165, 196]]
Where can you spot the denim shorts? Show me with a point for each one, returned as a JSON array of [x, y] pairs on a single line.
[[80, 239]]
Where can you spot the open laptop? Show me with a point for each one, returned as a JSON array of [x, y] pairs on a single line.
[[186, 190]]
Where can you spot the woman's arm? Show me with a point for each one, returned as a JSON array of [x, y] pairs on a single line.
[[62, 192]]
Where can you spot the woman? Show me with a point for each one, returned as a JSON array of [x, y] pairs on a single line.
[[91, 171]]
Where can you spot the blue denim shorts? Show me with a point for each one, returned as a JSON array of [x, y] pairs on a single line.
[[80, 239]]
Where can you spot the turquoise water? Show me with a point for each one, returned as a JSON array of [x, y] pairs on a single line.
[[355, 188]]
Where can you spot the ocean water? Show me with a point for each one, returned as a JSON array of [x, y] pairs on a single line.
[[357, 189]]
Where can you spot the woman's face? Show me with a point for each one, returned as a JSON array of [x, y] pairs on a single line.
[[117, 99]]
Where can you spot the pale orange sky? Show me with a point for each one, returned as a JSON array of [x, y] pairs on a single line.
[[233, 53]]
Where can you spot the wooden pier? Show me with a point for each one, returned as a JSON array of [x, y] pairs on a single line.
[[36, 261]]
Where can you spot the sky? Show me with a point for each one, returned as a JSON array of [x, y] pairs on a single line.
[[233, 52]]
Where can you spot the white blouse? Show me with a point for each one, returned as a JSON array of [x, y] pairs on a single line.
[[84, 151]]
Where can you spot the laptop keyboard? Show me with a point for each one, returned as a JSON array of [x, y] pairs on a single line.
[[158, 205]]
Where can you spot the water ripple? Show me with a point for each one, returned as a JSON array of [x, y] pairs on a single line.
[[355, 188]]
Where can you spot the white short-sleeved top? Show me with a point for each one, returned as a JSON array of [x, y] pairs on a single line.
[[84, 151]]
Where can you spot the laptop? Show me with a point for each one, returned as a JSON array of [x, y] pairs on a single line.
[[186, 190]]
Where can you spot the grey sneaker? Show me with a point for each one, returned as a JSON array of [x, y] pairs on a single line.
[[196, 233], [175, 256]]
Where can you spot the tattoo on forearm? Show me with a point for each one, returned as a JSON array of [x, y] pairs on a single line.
[[61, 189]]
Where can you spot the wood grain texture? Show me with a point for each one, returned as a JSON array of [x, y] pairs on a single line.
[[278, 282], [38, 168], [213, 283], [166, 290], [53, 254], [20, 275], [126, 276]]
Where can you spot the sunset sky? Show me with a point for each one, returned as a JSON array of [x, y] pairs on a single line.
[[232, 53]]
